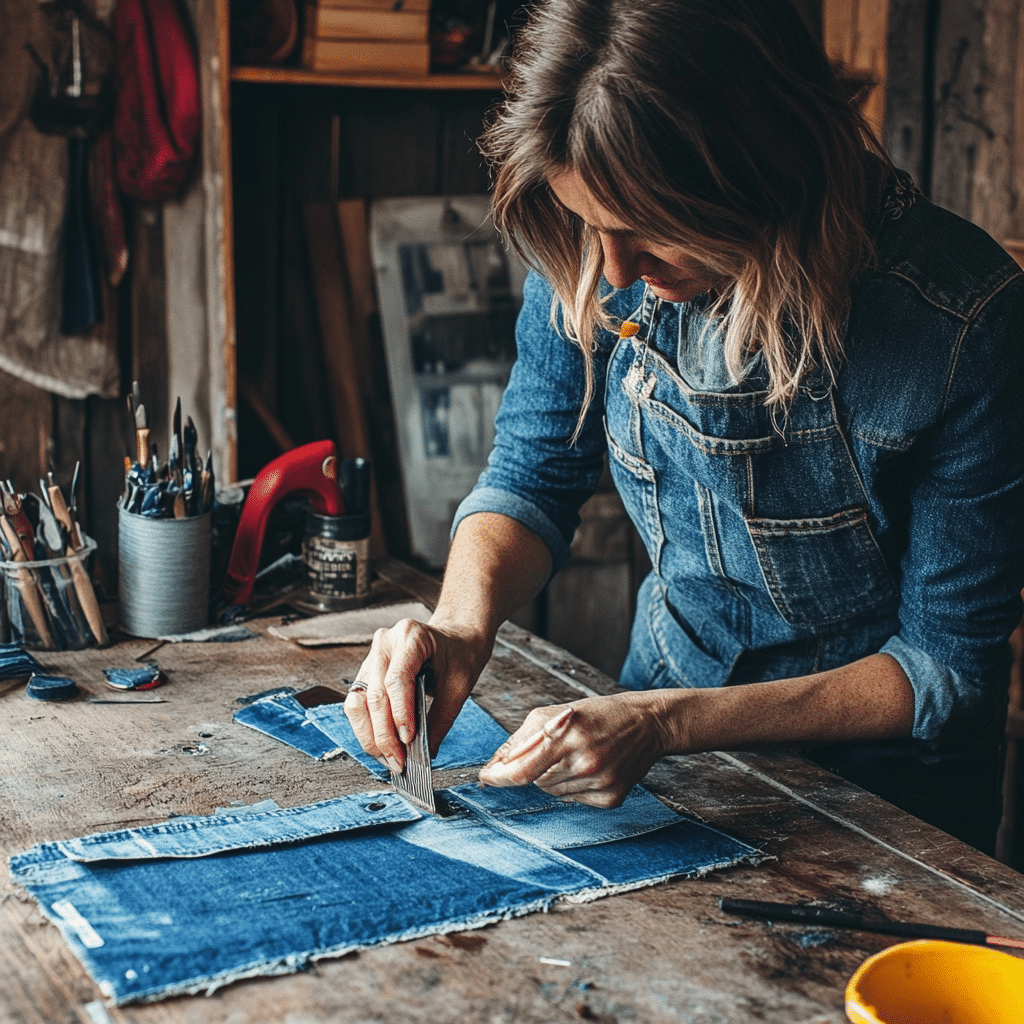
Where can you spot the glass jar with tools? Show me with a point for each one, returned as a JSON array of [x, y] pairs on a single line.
[[50, 603]]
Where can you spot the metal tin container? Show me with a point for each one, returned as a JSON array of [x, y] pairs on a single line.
[[163, 574], [336, 556]]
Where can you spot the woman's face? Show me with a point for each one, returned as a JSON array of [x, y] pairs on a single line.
[[668, 270]]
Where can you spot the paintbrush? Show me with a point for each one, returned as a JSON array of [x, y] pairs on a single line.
[[83, 585], [415, 782], [141, 436], [823, 916], [179, 441]]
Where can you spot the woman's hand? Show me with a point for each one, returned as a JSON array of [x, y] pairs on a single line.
[[592, 751], [383, 715]]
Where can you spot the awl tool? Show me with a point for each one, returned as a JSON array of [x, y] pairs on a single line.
[[416, 782]]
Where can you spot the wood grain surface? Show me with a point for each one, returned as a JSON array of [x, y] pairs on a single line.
[[661, 954]]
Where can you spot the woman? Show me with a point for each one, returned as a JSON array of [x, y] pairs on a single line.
[[806, 380]]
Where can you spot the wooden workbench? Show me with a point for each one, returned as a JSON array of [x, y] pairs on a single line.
[[666, 953]]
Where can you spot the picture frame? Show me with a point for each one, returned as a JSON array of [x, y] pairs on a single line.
[[449, 292]]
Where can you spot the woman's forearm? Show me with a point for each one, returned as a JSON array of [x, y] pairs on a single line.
[[495, 566], [868, 700], [607, 744]]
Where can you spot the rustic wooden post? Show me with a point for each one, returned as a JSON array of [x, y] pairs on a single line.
[[854, 32], [978, 163]]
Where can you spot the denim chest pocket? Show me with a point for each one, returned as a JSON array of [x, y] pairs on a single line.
[[781, 510], [823, 570]]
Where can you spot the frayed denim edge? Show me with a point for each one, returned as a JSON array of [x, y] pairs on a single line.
[[293, 963], [296, 962]]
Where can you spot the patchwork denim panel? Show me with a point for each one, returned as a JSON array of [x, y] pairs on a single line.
[[148, 928], [194, 903], [640, 841], [468, 841], [472, 739], [282, 717], [538, 817]]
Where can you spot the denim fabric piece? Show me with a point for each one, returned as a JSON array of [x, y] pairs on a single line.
[[149, 928], [538, 817], [685, 848], [282, 717], [15, 661], [144, 678], [200, 837], [640, 841], [472, 740]]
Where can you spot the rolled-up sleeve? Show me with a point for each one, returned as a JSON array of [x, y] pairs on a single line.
[[943, 697], [536, 474]]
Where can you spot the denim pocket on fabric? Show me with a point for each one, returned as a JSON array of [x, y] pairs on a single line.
[[637, 484], [638, 843], [531, 814], [664, 653], [201, 837]]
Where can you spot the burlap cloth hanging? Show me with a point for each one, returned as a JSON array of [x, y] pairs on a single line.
[[33, 199]]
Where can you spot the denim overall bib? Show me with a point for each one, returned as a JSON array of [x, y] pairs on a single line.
[[764, 513], [765, 564]]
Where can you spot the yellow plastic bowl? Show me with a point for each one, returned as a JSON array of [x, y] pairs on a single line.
[[930, 982]]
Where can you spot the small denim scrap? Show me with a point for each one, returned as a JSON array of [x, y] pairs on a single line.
[[283, 718], [147, 677], [196, 903], [472, 739], [15, 661], [42, 687], [324, 732]]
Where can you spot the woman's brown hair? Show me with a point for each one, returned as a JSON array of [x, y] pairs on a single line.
[[715, 125]]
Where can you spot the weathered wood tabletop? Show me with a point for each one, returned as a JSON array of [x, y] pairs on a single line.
[[667, 953]]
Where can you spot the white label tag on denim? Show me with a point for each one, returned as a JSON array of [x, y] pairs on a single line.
[[87, 935]]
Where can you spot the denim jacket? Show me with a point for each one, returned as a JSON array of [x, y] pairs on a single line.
[[883, 512]]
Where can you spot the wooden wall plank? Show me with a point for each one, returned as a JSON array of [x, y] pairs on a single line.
[[461, 168], [389, 143], [256, 146], [26, 424], [907, 131], [977, 64], [149, 348]]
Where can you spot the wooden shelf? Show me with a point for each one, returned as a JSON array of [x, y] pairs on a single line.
[[300, 76]]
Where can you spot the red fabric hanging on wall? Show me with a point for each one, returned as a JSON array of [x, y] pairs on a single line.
[[157, 112]]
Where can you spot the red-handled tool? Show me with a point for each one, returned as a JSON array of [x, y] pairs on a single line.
[[311, 471]]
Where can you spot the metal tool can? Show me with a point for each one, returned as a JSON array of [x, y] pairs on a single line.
[[336, 558]]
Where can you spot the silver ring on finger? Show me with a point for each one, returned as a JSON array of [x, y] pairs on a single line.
[[357, 685]]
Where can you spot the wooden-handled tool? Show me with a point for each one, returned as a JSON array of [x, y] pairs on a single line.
[[142, 436], [83, 585], [26, 584]]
